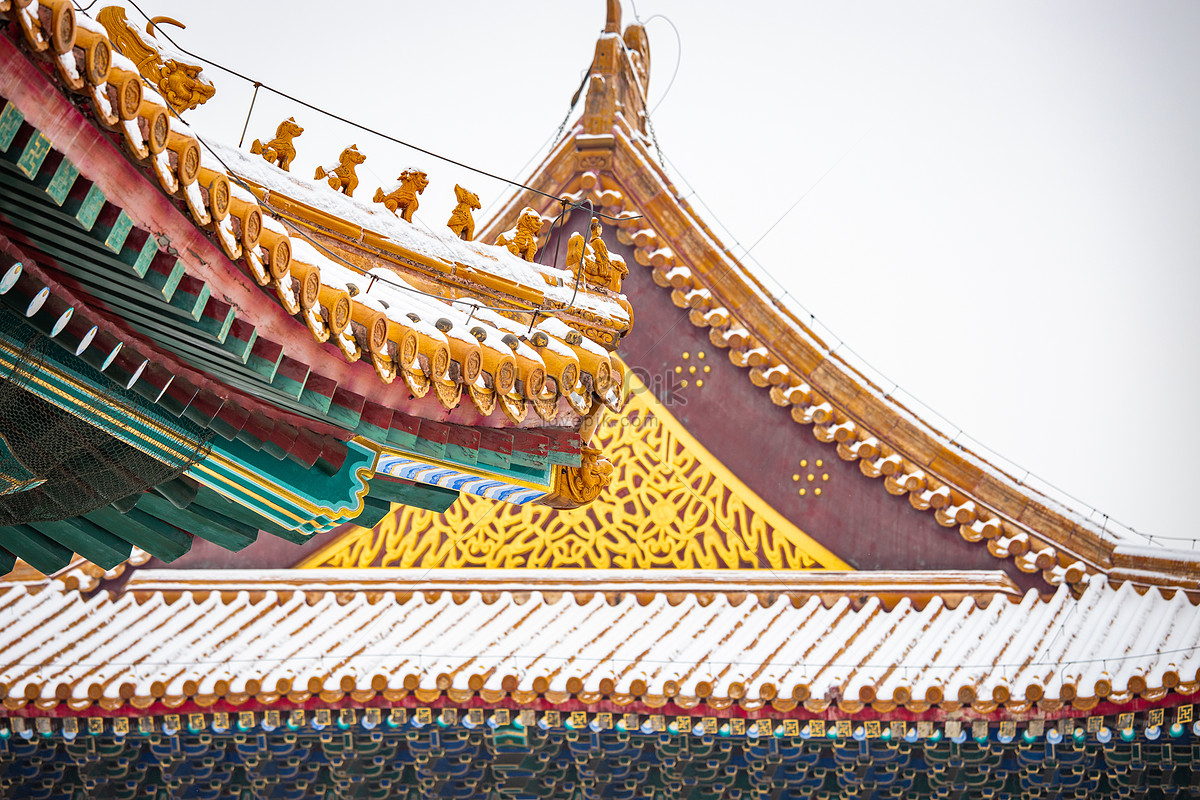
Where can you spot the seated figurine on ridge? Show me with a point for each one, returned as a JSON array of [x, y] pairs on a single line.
[[342, 175], [462, 222], [280, 150], [600, 269], [522, 240], [401, 199]]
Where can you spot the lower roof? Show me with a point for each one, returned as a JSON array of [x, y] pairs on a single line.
[[166, 639]]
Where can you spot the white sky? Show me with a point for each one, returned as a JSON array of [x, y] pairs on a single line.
[[1012, 231]]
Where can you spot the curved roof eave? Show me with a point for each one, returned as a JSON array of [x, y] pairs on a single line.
[[824, 392]]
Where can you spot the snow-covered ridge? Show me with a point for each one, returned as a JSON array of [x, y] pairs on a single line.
[[553, 283]]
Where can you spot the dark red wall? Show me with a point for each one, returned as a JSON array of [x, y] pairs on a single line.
[[854, 516]]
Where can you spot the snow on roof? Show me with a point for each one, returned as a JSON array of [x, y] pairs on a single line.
[[824, 388], [198, 636], [437, 242]]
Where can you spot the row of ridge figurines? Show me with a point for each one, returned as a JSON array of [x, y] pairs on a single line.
[[184, 87], [600, 268]]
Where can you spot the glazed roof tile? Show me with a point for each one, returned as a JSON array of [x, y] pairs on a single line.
[[311, 285], [183, 636]]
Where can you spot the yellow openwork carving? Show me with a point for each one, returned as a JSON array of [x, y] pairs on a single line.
[[671, 504]]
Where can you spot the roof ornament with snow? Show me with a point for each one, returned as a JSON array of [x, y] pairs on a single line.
[[180, 82], [462, 221], [522, 239], [281, 150], [401, 197], [342, 175], [601, 269]]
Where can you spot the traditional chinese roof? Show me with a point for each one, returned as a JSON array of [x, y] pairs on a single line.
[[837, 644], [805, 403], [272, 312], [998, 608]]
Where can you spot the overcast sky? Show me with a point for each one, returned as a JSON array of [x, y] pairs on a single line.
[[1010, 230]]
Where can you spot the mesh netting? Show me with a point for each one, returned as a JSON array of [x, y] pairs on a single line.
[[71, 466]]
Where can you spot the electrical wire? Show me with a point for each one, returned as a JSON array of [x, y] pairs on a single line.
[[678, 58], [277, 215], [807, 192], [693, 192], [342, 119]]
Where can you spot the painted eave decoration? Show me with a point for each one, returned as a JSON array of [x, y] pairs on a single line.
[[300, 325]]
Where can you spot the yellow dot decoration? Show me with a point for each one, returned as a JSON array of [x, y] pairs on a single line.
[[686, 356], [811, 477], [699, 384], [707, 368], [819, 462], [692, 369], [817, 491], [804, 462], [825, 477], [795, 477], [678, 370], [700, 355], [803, 492], [683, 383]]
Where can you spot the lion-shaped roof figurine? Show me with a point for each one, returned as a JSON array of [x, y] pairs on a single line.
[[522, 240], [402, 200]]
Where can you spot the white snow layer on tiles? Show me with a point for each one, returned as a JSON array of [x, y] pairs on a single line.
[[99, 643], [433, 241], [1188, 559], [90, 25]]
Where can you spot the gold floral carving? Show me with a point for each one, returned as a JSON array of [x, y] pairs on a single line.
[[591, 160], [280, 150], [670, 504], [181, 84]]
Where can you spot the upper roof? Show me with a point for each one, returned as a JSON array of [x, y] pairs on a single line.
[[274, 312], [606, 159]]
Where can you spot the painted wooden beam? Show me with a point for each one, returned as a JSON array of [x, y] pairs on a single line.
[[82, 536], [198, 520], [40, 552]]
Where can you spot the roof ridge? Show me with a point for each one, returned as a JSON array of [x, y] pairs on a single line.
[[823, 391]]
